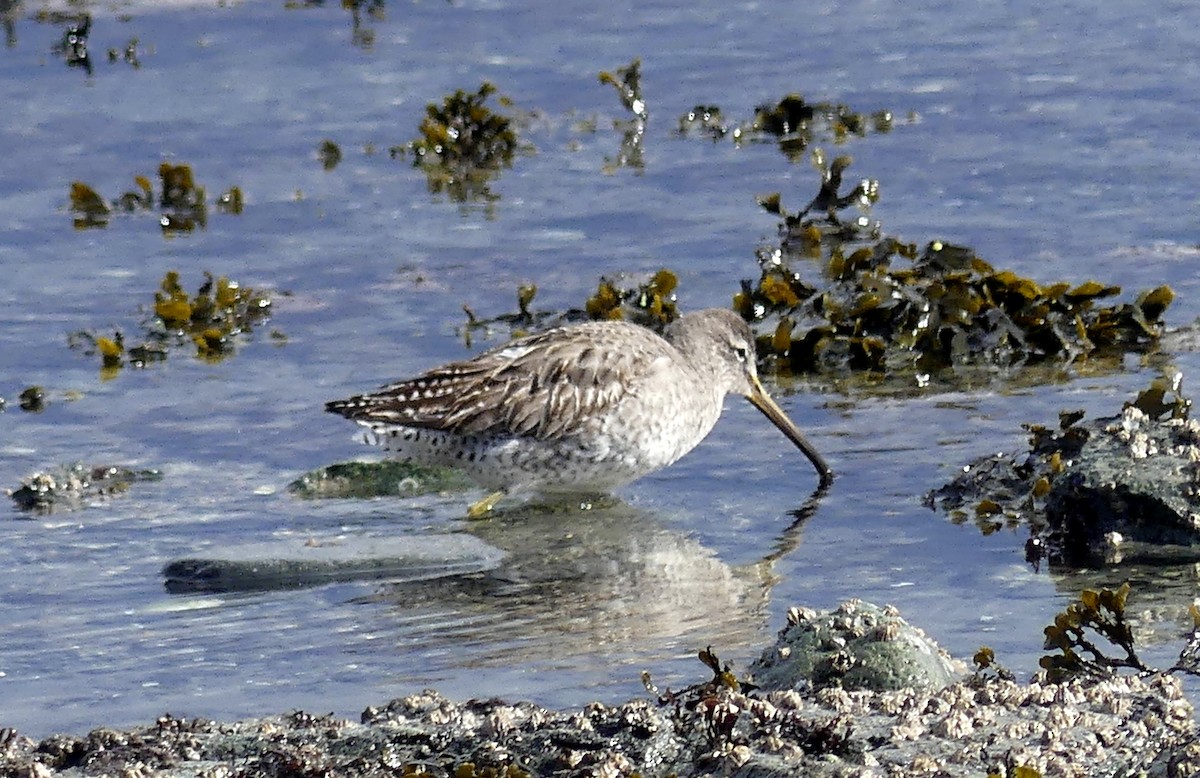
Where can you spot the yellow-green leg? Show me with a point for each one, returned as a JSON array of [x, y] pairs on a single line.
[[482, 508]]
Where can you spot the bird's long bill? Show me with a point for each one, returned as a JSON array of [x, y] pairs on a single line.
[[761, 400]]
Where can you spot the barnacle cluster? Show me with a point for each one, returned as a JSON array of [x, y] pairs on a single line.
[[70, 486]]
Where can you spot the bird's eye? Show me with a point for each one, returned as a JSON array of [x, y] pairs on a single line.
[[741, 353]]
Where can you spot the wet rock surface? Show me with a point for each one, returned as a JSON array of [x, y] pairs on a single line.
[[975, 726]]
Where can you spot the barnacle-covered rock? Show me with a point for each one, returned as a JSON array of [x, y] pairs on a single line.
[[976, 726], [73, 486], [856, 646], [1098, 492]]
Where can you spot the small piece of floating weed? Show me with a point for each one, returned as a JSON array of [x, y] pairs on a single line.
[[628, 83], [89, 207]]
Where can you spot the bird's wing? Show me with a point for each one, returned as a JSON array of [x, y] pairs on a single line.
[[535, 387]]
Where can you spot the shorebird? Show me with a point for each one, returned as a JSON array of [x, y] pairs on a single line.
[[578, 409]]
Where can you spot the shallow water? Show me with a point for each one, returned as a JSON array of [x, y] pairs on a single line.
[[1056, 140]]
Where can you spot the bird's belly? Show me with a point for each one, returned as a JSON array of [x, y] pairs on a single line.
[[598, 461]]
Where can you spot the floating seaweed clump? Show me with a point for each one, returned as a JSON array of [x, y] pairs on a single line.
[[128, 53], [181, 202], [463, 145], [793, 123], [706, 120], [650, 303], [74, 43], [210, 320], [876, 303], [519, 323]]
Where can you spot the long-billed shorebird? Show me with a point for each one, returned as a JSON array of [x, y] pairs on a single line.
[[583, 408]]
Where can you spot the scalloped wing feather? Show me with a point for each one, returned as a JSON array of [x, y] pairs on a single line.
[[536, 387]]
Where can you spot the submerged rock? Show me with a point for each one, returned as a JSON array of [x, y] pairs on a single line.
[[386, 478], [299, 563]]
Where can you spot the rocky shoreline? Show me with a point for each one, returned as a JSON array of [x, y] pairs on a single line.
[[980, 723]]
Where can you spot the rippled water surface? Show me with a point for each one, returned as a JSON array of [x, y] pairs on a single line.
[[1058, 140]]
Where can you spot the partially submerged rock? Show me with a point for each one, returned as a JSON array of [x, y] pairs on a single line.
[[1133, 489], [1123, 488], [386, 478], [72, 486]]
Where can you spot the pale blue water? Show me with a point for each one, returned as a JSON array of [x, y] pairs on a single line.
[[1057, 139]]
